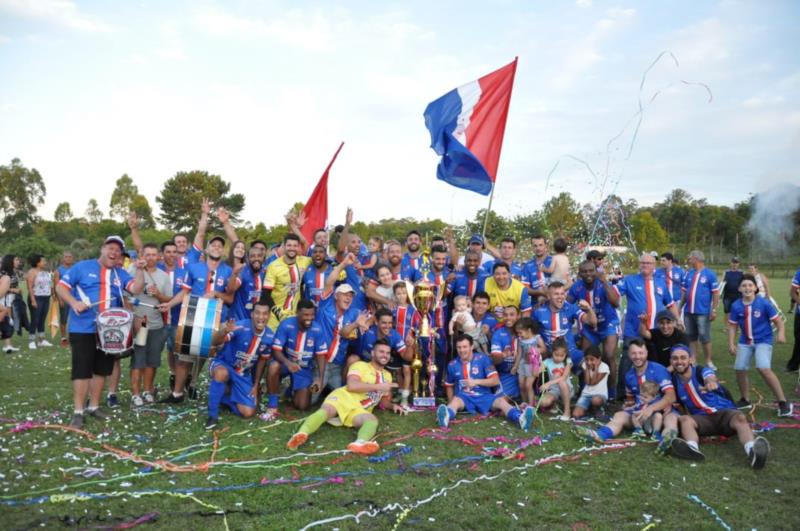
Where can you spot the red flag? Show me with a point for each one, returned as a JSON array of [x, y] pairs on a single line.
[[316, 208]]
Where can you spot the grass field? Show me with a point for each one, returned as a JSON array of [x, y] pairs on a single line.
[[151, 468]]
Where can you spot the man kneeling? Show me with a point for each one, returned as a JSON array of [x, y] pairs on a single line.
[[710, 412], [473, 375], [368, 383]]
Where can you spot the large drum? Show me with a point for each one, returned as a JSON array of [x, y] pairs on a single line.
[[115, 332], [199, 319]]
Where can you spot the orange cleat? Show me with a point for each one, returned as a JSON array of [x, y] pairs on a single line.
[[363, 447], [298, 439]]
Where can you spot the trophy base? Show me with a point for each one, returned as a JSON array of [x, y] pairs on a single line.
[[424, 401]]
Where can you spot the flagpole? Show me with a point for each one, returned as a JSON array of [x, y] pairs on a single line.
[[489, 209]]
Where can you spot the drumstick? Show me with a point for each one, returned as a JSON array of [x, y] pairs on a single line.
[[137, 302]]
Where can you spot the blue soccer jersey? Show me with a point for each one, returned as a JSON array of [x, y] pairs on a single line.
[[698, 287], [468, 286], [653, 372], [354, 280], [95, 285], [533, 275], [247, 294], [697, 401], [558, 323], [478, 368], [314, 282], [796, 285], [371, 336], [673, 279], [644, 296], [754, 320], [298, 345], [597, 298], [331, 322], [411, 262], [504, 342], [439, 281], [243, 347], [406, 320]]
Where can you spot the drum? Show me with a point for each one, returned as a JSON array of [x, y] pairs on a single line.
[[199, 319], [115, 332]]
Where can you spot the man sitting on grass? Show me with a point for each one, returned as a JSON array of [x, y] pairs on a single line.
[[711, 412], [368, 383]]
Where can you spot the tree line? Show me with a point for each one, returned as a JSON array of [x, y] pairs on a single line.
[[678, 223]]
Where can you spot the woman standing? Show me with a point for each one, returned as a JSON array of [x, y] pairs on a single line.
[[40, 289], [6, 301]]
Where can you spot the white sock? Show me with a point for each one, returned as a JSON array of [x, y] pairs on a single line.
[[91, 408], [693, 445], [79, 412], [748, 446], [177, 395], [404, 393]]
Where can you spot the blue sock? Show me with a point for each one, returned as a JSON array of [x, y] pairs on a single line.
[[604, 432], [215, 392], [272, 401], [513, 414], [451, 413], [226, 399]]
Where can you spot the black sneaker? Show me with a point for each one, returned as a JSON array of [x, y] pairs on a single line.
[[790, 368], [112, 401], [172, 399], [758, 453], [171, 382], [191, 392], [97, 413], [681, 449], [785, 409], [211, 423], [77, 421], [743, 404]]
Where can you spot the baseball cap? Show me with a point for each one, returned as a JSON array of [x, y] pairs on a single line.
[[665, 314], [345, 288], [115, 239], [217, 238], [735, 260], [476, 238]]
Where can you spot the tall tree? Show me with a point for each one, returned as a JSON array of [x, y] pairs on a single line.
[[182, 195], [63, 212], [648, 235], [563, 217], [22, 191], [125, 191], [93, 212]]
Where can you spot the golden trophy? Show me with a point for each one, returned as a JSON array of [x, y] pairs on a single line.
[[425, 302]]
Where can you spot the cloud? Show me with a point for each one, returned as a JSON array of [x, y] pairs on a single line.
[[583, 3], [4, 39], [60, 12]]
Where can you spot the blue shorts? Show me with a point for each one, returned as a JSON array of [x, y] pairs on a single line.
[[698, 327], [604, 330], [509, 385], [301, 379], [585, 400], [745, 353], [240, 384], [480, 404]]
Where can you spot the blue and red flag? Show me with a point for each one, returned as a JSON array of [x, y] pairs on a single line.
[[467, 126]]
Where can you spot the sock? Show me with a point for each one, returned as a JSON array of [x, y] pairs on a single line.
[[513, 414], [228, 401], [215, 392], [177, 394], [747, 447], [604, 432], [451, 413], [80, 412], [272, 401], [693, 445], [91, 408], [367, 430], [404, 393], [313, 422]]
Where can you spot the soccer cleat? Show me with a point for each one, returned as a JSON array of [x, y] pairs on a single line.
[[588, 435], [743, 404], [758, 453], [77, 421], [665, 443], [270, 415], [298, 439], [172, 399], [563, 418], [682, 450], [136, 401], [97, 413], [112, 401], [45, 343], [785, 410], [526, 419], [638, 433], [363, 447], [211, 423], [442, 416]]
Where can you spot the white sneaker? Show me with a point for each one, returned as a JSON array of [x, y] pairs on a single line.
[[32, 345], [45, 343], [10, 349], [564, 418], [148, 397], [137, 401]]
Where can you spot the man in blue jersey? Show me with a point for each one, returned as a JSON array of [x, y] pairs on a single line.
[[699, 300], [249, 283], [316, 276], [507, 254], [469, 382], [557, 316], [67, 261], [436, 275], [710, 413], [642, 370], [298, 351], [413, 256], [471, 279], [731, 279], [536, 273], [503, 352], [90, 287], [671, 274], [246, 342], [382, 329]]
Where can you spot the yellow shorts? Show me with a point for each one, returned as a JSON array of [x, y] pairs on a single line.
[[347, 408]]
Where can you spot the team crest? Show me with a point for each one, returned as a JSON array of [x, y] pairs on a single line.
[[564, 320], [659, 291], [702, 280], [756, 314], [475, 371], [220, 282]]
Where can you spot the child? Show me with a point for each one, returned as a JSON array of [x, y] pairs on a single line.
[[649, 393], [595, 377], [755, 316], [528, 360], [560, 267], [407, 320], [462, 314], [367, 261], [559, 384]]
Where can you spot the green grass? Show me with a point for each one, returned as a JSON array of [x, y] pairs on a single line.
[[628, 488]]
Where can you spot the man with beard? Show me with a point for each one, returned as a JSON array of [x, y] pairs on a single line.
[[250, 282], [536, 273], [209, 279], [504, 351], [506, 254], [368, 384], [169, 264], [90, 287], [711, 413], [437, 277], [671, 274], [282, 284], [316, 276], [557, 317], [595, 289], [471, 279], [319, 239], [413, 257], [699, 300], [246, 342]]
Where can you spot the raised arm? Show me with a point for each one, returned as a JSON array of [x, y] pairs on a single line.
[[225, 218], [200, 237], [133, 224]]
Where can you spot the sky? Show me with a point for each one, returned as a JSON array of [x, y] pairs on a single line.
[[262, 92]]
